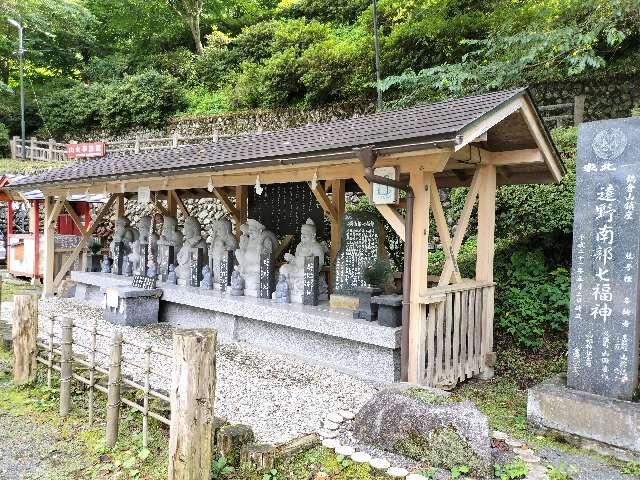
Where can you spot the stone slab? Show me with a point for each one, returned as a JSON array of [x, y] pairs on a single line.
[[594, 417], [343, 301]]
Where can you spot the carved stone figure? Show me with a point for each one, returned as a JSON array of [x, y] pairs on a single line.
[[152, 268], [294, 268], [105, 265], [206, 283], [172, 279], [222, 241], [237, 283], [127, 267], [192, 241], [147, 240], [282, 290], [255, 241], [170, 234], [123, 233]]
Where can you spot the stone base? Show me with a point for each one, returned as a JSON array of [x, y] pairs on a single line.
[[316, 334], [608, 422]]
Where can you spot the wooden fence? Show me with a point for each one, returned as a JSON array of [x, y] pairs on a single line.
[[457, 332], [97, 363], [50, 150], [564, 114]]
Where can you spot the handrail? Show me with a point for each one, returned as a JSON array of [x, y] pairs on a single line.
[[428, 295]]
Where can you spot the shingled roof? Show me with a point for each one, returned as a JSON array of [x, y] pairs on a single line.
[[439, 123]]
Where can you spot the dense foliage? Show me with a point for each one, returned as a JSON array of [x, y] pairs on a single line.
[[84, 55]]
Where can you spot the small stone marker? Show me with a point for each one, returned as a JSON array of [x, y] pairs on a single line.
[[119, 253], [362, 243], [197, 262], [311, 280], [226, 269], [604, 334], [166, 257], [266, 267]]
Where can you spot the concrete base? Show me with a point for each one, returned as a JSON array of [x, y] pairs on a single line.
[[609, 422], [317, 334]]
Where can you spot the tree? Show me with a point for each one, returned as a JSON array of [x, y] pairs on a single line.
[[190, 12]]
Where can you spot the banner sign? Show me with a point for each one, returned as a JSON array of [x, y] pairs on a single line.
[[85, 150]]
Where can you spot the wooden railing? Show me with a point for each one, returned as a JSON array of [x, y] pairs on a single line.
[[564, 114], [51, 150], [458, 341]]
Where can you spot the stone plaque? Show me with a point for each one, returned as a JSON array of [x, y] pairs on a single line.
[[195, 266], [311, 280], [362, 243], [266, 269], [226, 269], [166, 257], [119, 252], [603, 325]]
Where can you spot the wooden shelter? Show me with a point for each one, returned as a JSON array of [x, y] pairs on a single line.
[[477, 142]]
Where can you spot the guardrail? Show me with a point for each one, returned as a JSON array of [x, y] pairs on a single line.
[[50, 150]]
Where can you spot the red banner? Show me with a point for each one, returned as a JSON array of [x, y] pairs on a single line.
[[85, 150]]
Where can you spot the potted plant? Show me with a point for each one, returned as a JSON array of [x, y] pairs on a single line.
[[377, 275], [92, 263]]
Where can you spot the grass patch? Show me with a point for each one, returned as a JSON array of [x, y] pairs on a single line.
[[28, 167], [430, 397], [12, 286]]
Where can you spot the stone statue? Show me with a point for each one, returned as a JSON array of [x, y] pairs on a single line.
[[294, 268], [255, 241], [222, 241], [105, 265], [171, 277], [206, 283], [170, 234], [237, 283], [282, 290], [152, 269], [127, 267], [192, 241], [123, 233], [146, 239]]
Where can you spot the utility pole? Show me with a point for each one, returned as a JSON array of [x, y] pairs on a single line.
[[376, 46], [21, 63]]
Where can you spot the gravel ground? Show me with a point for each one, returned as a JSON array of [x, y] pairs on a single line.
[[279, 396]]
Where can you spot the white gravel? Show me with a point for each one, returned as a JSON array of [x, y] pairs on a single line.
[[279, 396]]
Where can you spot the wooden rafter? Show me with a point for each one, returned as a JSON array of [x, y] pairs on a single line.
[[76, 220], [324, 201], [158, 206], [228, 204], [52, 217], [83, 242], [390, 214]]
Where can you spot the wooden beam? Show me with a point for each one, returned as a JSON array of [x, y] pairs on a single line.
[[158, 206], [390, 214], [324, 201], [442, 227], [76, 220], [419, 181], [52, 216], [228, 204], [284, 245], [120, 205], [513, 157], [242, 205], [461, 228], [337, 199], [83, 242], [49, 245], [171, 204], [179, 203]]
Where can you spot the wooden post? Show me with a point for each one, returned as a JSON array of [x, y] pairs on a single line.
[[484, 261], [49, 246], [34, 226], [113, 391], [136, 145], [232, 440], [242, 206], [24, 336], [174, 139], [578, 109], [192, 400], [337, 198], [52, 323], [172, 207], [66, 367], [419, 181], [14, 147], [119, 206], [32, 147], [52, 145]]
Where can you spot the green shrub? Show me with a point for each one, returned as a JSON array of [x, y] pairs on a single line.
[[74, 109], [145, 99], [4, 140], [201, 102]]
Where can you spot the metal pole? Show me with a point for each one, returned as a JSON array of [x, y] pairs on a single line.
[[21, 61], [376, 46]]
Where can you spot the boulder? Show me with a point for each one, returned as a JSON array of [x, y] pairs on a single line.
[[427, 425]]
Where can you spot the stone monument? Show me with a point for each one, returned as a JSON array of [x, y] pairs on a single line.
[[120, 246], [362, 243], [237, 283], [222, 242], [604, 328], [144, 247], [172, 278], [169, 245], [105, 265], [192, 242], [207, 282], [310, 283], [256, 245], [294, 269], [282, 294]]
